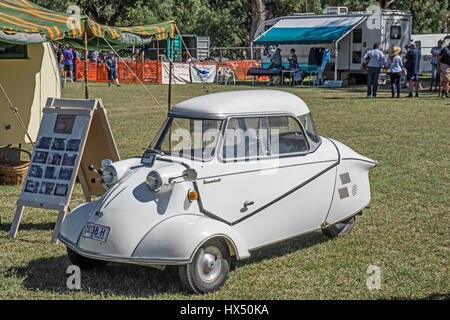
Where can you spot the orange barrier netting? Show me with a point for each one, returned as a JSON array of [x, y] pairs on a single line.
[[150, 71]]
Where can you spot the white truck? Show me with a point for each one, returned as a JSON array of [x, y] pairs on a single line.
[[425, 42], [348, 35]]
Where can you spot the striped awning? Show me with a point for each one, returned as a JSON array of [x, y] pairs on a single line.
[[23, 22]]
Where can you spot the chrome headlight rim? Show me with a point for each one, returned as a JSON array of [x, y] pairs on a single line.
[[109, 171], [154, 181]]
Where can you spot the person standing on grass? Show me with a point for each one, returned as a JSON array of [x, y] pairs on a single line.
[[412, 68], [111, 66], [375, 61], [68, 64], [443, 63], [395, 65], [434, 69]]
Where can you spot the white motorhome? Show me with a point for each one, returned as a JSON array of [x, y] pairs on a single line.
[[425, 42], [348, 35]]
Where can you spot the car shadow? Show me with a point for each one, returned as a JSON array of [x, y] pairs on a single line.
[[284, 248], [133, 281]]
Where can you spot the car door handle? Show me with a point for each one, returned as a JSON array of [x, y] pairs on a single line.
[[248, 203]]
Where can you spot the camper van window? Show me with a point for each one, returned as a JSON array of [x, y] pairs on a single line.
[[8, 51], [357, 36], [396, 32]]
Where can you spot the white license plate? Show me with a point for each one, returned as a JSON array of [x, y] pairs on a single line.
[[95, 231]]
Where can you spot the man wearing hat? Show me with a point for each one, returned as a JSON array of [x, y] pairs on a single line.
[[412, 69], [111, 66], [395, 65]]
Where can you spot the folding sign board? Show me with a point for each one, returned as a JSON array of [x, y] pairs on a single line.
[[73, 134]]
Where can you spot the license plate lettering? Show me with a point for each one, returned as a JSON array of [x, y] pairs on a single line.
[[96, 232]]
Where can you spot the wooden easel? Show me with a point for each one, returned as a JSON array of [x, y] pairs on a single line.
[[91, 131]]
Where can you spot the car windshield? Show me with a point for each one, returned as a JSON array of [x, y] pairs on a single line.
[[310, 128], [195, 139]]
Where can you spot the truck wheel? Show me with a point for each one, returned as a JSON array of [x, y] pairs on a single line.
[[209, 269], [83, 262], [339, 229]]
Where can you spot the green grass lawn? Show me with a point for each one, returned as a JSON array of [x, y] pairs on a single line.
[[405, 232]]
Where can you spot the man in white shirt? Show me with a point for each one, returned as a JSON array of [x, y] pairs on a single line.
[[375, 61]]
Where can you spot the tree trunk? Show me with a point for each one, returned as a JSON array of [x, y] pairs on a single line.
[[259, 14]]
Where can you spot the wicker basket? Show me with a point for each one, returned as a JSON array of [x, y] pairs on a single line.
[[13, 172]]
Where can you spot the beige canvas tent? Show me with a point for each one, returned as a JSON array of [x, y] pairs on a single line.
[[29, 75]]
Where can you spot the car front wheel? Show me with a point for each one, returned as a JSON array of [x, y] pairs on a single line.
[[339, 229], [209, 269]]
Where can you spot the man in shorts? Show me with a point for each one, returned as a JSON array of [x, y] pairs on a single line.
[[68, 64], [412, 69], [111, 66]]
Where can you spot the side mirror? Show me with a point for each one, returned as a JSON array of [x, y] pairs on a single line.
[[190, 175]]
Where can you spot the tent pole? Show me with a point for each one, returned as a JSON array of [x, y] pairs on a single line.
[[169, 95], [335, 59], [86, 88], [251, 58]]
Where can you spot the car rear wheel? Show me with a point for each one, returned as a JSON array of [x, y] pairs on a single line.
[[209, 269], [83, 262], [339, 229]]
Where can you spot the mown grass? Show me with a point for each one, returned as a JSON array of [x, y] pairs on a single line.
[[405, 232]]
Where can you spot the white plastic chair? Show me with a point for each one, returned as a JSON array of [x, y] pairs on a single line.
[[224, 75]]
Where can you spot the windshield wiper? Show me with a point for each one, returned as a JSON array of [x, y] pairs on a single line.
[[150, 150]]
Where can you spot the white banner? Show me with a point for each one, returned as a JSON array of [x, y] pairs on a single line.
[[180, 73], [205, 73]]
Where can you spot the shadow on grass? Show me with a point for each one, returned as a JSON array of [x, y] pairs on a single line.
[[29, 226], [285, 247], [49, 274]]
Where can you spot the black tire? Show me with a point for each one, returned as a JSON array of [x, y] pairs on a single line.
[[83, 262], [339, 229], [200, 276]]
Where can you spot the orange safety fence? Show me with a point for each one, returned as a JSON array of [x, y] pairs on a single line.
[[150, 70]]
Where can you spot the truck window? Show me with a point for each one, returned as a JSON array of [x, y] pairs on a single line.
[[396, 32]]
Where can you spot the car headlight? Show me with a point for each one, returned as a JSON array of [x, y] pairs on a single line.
[[154, 181], [109, 175]]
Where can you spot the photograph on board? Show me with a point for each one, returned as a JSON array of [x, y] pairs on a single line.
[[73, 145], [69, 159], [44, 143], [61, 189], [59, 144], [54, 158], [40, 157], [51, 173], [36, 171], [31, 186], [47, 187], [65, 173]]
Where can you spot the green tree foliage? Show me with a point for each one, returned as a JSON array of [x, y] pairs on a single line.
[[228, 22]]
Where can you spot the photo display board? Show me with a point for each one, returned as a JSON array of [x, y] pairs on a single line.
[[55, 160], [73, 134]]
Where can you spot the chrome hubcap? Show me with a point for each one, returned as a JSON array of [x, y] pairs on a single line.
[[209, 264]]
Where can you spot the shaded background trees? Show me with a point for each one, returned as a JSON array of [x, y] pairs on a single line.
[[232, 22]]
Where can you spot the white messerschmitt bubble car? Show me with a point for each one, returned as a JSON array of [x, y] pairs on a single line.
[[226, 174]]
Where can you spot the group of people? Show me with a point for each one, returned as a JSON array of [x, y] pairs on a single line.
[[67, 57], [293, 64], [409, 67]]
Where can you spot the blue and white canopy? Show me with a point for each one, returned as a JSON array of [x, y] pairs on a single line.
[[309, 30]]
